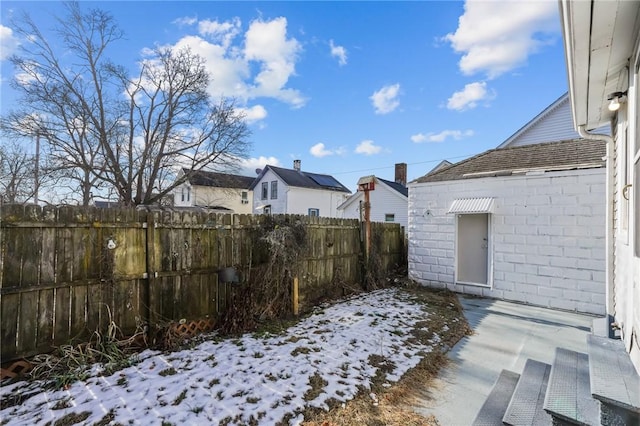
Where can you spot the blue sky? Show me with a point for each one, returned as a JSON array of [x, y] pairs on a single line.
[[351, 88]]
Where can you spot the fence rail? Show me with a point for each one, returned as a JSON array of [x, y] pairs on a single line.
[[67, 271]]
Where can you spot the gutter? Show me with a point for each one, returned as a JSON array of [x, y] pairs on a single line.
[[609, 234]]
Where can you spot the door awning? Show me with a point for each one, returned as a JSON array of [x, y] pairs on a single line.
[[471, 205]]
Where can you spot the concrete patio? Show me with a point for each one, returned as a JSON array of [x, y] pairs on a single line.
[[505, 335]]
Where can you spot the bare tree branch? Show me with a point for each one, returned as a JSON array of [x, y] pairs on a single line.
[[108, 131]]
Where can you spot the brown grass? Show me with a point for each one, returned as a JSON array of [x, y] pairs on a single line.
[[394, 403]]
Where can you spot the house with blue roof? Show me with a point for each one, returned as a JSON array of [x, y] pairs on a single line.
[[388, 199], [277, 190]]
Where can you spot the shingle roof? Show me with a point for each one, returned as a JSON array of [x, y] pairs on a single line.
[[220, 180], [304, 179], [397, 186], [571, 154]]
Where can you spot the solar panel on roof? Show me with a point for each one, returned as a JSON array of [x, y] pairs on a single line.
[[324, 180]]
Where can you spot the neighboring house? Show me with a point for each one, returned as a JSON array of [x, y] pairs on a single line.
[[388, 200], [291, 191], [602, 47], [218, 191], [522, 223], [552, 124]]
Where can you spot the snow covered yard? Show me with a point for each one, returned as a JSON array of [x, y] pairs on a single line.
[[325, 360]]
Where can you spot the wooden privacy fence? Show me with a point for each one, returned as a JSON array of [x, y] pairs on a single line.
[[67, 271]]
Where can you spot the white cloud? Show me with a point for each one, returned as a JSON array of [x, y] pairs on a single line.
[[232, 58], [253, 114], [185, 21], [367, 147], [248, 166], [318, 150], [8, 42], [339, 52], [385, 100], [223, 32], [498, 36], [469, 97], [442, 136], [266, 42]]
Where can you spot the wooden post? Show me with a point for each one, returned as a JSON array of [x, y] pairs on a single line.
[[295, 296], [367, 224], [366, 184]]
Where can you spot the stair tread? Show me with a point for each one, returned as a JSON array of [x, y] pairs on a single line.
[[608, 359], [495, 405], [526, 406], [568, 394]]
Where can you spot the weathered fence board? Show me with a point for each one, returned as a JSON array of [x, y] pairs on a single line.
[[67, 271]]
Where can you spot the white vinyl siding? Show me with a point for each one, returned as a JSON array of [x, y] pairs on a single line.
[[384, 201], [555, 125]]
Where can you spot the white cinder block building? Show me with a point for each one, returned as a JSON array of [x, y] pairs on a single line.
[[522, 223]]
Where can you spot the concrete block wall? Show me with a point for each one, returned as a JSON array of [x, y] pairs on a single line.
[[546, 237]]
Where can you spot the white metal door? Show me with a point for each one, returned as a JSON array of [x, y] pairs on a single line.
[[472, 244]]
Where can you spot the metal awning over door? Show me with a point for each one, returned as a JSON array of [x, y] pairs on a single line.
[[471, 206]]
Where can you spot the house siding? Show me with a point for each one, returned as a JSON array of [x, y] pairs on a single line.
[[383, 200], [626, 278], [230, 198], [547, 237], [300, 200], [279, 204], [555, 125]]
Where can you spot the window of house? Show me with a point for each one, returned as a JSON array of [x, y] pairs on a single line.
[[274, 189], [265, 190], [245, 197], [267, 209], [314, 212], [389, 217], [185, 194]]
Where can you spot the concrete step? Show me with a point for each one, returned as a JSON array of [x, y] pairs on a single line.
[[495, 405], [568, 397], [614, 381], [526, 406]]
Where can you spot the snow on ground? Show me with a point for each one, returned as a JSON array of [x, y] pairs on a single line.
[[339, 348]]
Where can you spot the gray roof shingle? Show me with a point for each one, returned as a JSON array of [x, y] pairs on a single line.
[[220, 180], [302, 179], [571, 154]]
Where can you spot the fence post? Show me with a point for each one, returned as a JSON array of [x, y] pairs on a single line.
[[151, 264], [295, 296]]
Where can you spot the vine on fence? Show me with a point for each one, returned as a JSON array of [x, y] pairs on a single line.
[[266, 294]]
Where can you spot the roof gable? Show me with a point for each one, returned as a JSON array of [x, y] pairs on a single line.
[[554, 123], [300, 179], [561, 155], [219, 180], [394, 188]]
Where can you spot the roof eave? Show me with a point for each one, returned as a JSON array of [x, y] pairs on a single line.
[[597, 47]]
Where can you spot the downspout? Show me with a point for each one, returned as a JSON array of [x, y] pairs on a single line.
[[609, 234]]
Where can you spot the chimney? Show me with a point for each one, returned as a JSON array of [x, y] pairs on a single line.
[[401, 173], [296, 165]]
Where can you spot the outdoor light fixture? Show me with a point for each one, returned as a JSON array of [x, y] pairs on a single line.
[[615, 98]]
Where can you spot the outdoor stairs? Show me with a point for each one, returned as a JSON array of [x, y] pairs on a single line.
[[597, 388]]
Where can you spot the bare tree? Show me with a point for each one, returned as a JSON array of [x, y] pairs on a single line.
[[17, 171], [109, 131]]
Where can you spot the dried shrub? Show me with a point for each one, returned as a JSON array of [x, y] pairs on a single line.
[[266, 293]]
